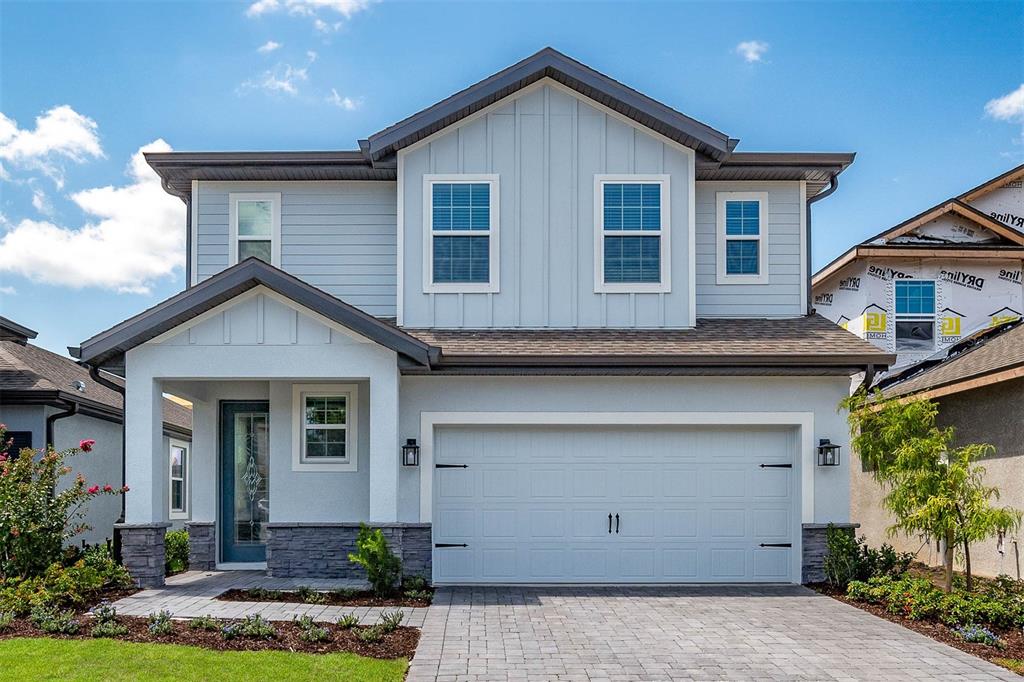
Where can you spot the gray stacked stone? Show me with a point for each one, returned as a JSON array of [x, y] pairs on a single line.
[[815, 548], [202, 547], [142, 552], [320, 550]]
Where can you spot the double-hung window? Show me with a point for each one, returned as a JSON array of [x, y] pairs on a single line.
[[179, 473], [915, 315], [742, 247], [631, 233], [255, 227], [461, 253], [325, 427]]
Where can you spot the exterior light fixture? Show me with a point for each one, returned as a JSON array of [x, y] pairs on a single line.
[[410, 453], [828, 453]]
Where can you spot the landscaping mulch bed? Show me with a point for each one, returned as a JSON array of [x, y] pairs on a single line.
[[1012, 639], [338, 598], [398, 644]]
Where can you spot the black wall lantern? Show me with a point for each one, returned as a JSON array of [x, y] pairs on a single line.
[[410, 453], [828, 453]]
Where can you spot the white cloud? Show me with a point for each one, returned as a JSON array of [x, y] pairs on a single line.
[[311, 56], [311, 8], [41, 202], [268, 47], [8, 291], [135, 236], [282, 78], [752, 50], [1009, 107], [61, 134], [346, 103]]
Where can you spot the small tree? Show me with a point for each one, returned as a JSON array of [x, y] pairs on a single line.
[[383, 568], [934, 490], [35, 518]]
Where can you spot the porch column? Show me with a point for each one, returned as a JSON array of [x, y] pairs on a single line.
[[145, 461], [384, 446]]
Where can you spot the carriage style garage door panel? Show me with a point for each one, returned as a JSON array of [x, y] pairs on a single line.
[[615, 504]]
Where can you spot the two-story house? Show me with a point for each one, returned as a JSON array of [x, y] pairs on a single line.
[[546, 330], [919, 288]]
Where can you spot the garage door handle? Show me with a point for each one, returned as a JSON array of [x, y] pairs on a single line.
[[450, 544], [451, 466], [776, 466], [616, 524], [609, 524], [776, 544]]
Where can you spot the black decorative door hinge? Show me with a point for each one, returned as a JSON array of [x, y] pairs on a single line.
[[450, 544], [451, 466], [776, 544], [776, 466]]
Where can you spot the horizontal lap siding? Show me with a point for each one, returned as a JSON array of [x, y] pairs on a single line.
[[338, 236], [782, 296]]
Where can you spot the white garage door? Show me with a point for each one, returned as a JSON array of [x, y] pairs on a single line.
[[614, 504]]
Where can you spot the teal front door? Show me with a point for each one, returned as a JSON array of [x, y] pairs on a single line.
[[245, 480]]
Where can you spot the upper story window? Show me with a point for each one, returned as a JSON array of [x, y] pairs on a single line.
[[179, 475], [915, 315], [631, 233], [742, 247], [325, 427], [255, 227], [462, 233]]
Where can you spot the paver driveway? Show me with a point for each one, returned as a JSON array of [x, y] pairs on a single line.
[[672, 633]]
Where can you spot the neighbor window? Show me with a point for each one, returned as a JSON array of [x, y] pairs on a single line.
[[462, 219], [741, 243], [179, 475], [326, 427], [915, 315], [255, 227], [631, 233]]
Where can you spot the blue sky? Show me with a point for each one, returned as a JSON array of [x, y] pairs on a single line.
[[88, 239]]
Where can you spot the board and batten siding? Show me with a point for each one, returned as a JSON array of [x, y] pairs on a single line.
[[338, 236], [546, 145], [784, 294]]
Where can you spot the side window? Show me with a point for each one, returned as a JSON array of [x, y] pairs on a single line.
[[915, 315], [255, 227], [631, 234], [325, 428], [742, 248], [461, 233], [179, 479]]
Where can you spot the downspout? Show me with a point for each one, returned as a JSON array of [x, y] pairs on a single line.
[[72, 410], [94, 374], [869, 377], [833, 185]]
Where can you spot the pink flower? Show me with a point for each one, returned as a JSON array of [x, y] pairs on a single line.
[[125, 489], [86, 445], [108, 489], [93, 490]]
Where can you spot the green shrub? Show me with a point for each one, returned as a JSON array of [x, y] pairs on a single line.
[[109, 629], [256, 627], [6, 618], [348, 621], [104, 613], [310, 596], [390, 620], [343, 593], [160, 623], [40, 511], [383, 568], [262, 594], [415, 583], [848, 558], [54, 621], [61, 586], [370, 635], [204, 623], [977, 634], [176, 551], [311, 632]]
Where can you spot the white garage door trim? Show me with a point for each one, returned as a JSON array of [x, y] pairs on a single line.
[[802, 420]]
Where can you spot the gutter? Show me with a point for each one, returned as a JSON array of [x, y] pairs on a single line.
[[833, 185], [94, 374], [72, 410]]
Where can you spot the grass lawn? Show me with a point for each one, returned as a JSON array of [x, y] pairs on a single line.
[[102, 659], [1016, 665]]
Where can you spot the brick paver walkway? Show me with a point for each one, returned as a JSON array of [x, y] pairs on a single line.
[[672, 633], [194, 593]]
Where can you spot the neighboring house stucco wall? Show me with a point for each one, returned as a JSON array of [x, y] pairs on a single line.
[[819, 395], [546, 145], [26, 418], [101, 466], [986, 415], [338, 236]]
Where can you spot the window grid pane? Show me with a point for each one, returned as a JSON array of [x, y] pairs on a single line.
[[632, 206], [915, 298], [632, 260], [742, 218], [462, 259], [461, 206], [742, 257]]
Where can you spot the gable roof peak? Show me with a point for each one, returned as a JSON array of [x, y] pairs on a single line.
[[12, 331]]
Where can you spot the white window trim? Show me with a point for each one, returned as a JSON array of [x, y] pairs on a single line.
[[492, 285], [351, 394], [762, 238], [275, 228], [187, 481], [916, 317], [665, 233]]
